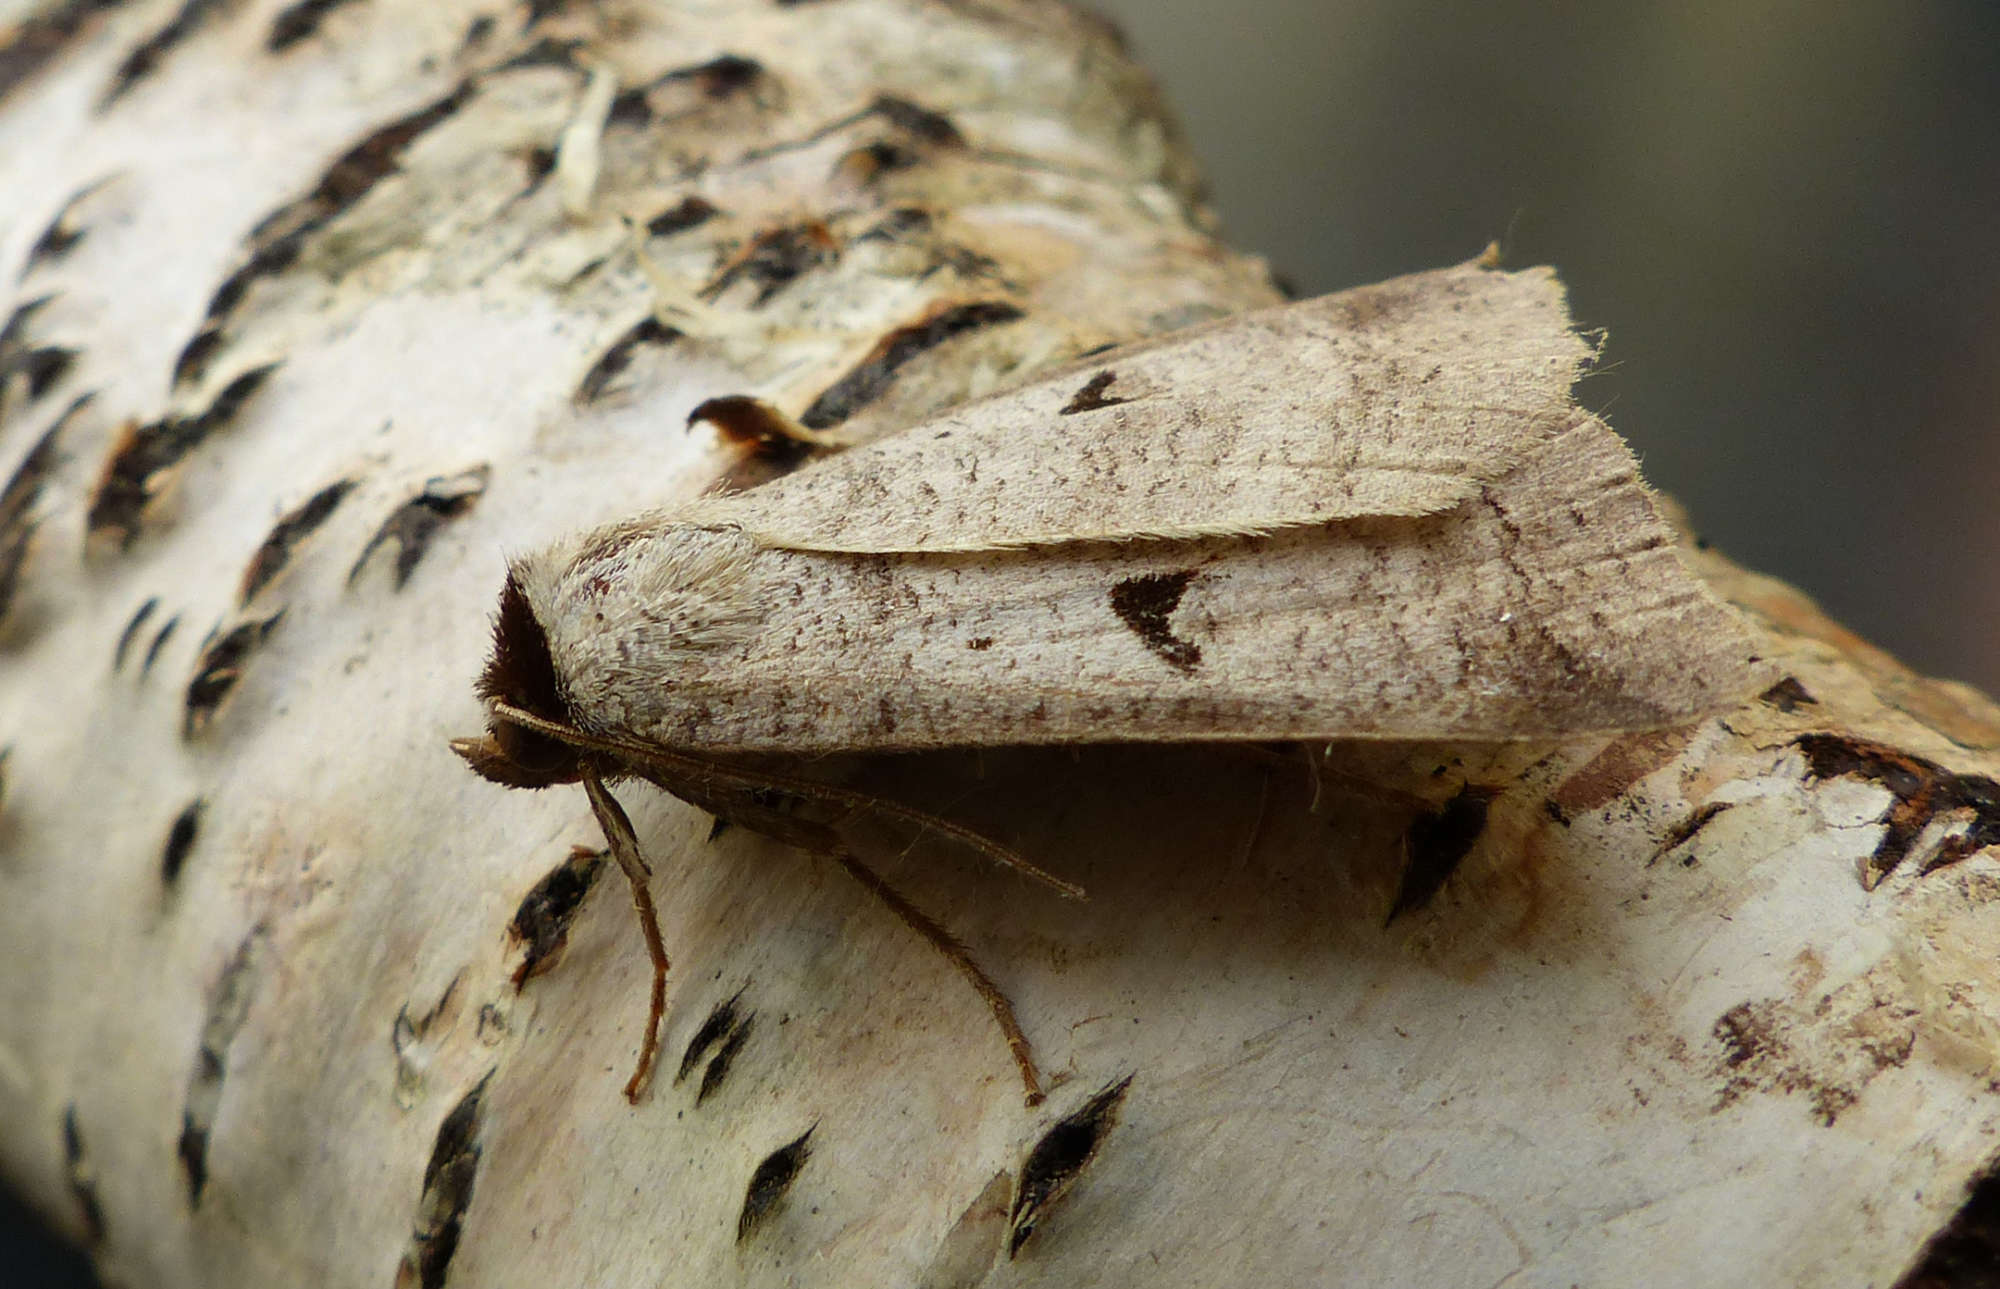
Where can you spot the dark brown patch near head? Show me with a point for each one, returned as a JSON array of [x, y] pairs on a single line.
[[1438, 842], [1092, 396], [771, 1180], [1145, 603], [542, 922], [871, 377], [521, 672], [1059, 1158]]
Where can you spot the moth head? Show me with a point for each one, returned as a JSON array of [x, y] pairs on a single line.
[[521, 673]]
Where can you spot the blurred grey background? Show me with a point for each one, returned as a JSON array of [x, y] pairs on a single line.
[[1786, 213]]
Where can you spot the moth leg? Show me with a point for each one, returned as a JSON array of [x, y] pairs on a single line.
[[956, 954], [624, 843]]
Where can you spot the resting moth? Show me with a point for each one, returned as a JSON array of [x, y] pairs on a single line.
[[1377, 514]]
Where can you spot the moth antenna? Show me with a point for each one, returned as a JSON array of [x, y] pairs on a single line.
[[701, 768], [958, 956], [624, 843]]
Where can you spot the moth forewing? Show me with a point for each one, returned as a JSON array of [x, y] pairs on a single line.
[[1395, 399], [1374, 515]]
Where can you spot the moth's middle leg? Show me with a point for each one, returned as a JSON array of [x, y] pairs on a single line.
[[956, 954], [624, 843]]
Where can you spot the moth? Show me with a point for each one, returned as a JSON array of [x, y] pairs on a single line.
[[1378, 514]]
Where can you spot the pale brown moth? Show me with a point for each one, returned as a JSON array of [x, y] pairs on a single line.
[[1378, 514]]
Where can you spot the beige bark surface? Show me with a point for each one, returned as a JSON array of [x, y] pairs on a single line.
[[320, 310]]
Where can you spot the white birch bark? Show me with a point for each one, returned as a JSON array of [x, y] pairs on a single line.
[[1675, 1019]]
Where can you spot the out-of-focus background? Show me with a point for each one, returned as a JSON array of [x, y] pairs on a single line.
[[1786, 212]]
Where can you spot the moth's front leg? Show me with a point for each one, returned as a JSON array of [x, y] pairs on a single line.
[[624, 845]]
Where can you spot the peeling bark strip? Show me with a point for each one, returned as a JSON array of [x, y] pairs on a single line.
[[447, 1194], [279, 237], [541, 924], [1059, 1158], [228, 1005], [220, 668], [771, 1181], [412, 525], [287, 535], [144, 456], [613, 362], [81, 1177], [1439, 841], [1923, 790], [871, 378]]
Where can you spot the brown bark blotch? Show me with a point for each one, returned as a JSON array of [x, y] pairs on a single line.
[[541, 924], [220, 669], [143, 456], [180, 841], [771, 1180], [1059, 1158], [228, 1006], [412, 525], [298, 21], [872, 376], [34, 367], [449, 1177], [721, 1020], [287, 535], [1921, 790], [145, 57], [724, 1059], [1145, 603], [1684, 831], [689, 212]]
